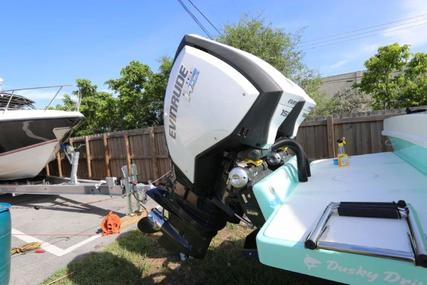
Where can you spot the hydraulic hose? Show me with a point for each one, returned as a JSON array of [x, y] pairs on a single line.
[[302, 162]]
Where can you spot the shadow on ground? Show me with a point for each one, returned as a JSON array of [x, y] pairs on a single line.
[[103, 268], [139, 259]]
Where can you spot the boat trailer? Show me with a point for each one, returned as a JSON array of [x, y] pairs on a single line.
[[127, 187]]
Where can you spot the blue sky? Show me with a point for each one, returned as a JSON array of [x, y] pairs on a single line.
[[54, 42]]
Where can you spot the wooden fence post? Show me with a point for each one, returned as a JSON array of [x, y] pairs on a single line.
[[88, 158], [59, 163], [106, 155], [331, 136], [153, 154], [127, 149]]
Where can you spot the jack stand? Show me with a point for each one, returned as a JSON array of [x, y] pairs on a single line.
[[134, 189], [73, 158]]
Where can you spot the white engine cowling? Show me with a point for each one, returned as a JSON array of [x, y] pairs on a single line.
[[220, 98]]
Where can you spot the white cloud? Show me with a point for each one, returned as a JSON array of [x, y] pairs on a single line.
[[414, 32]]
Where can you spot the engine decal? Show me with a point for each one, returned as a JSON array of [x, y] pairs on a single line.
[[184, 85], [190, 83]]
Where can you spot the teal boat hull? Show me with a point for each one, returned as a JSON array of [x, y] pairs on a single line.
[[281, 189], [413, 154]]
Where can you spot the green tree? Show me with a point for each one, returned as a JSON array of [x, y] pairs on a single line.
[[395, 78], [68, 104], [140, 94], [99, 108], [155, 91], [139, 100], [324, 106], [278, 48], [415, 88], [273, 45], [350, 100]]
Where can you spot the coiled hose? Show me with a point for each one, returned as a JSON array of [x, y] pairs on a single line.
[[302, 161]]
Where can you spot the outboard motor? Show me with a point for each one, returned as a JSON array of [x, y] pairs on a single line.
[[223, 110]]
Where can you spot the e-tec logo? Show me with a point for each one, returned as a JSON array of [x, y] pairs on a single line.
[[184, 85], [190, 83]]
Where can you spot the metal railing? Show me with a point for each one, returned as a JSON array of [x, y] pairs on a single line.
[[28, 103]]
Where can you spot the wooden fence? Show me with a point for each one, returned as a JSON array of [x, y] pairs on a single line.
[[104, 154], [363, 135]]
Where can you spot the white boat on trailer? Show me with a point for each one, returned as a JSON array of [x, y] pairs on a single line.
[[30, 138]]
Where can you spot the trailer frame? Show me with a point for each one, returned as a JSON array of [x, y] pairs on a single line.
[[54, 185]]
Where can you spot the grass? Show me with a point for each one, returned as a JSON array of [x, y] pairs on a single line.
[[135, 258]]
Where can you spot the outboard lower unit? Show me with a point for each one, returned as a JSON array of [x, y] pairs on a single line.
[[230, 120]]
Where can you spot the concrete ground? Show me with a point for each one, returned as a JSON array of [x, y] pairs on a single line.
[[67, 226]]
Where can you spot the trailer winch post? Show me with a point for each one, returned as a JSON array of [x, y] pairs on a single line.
[[133, 189]]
